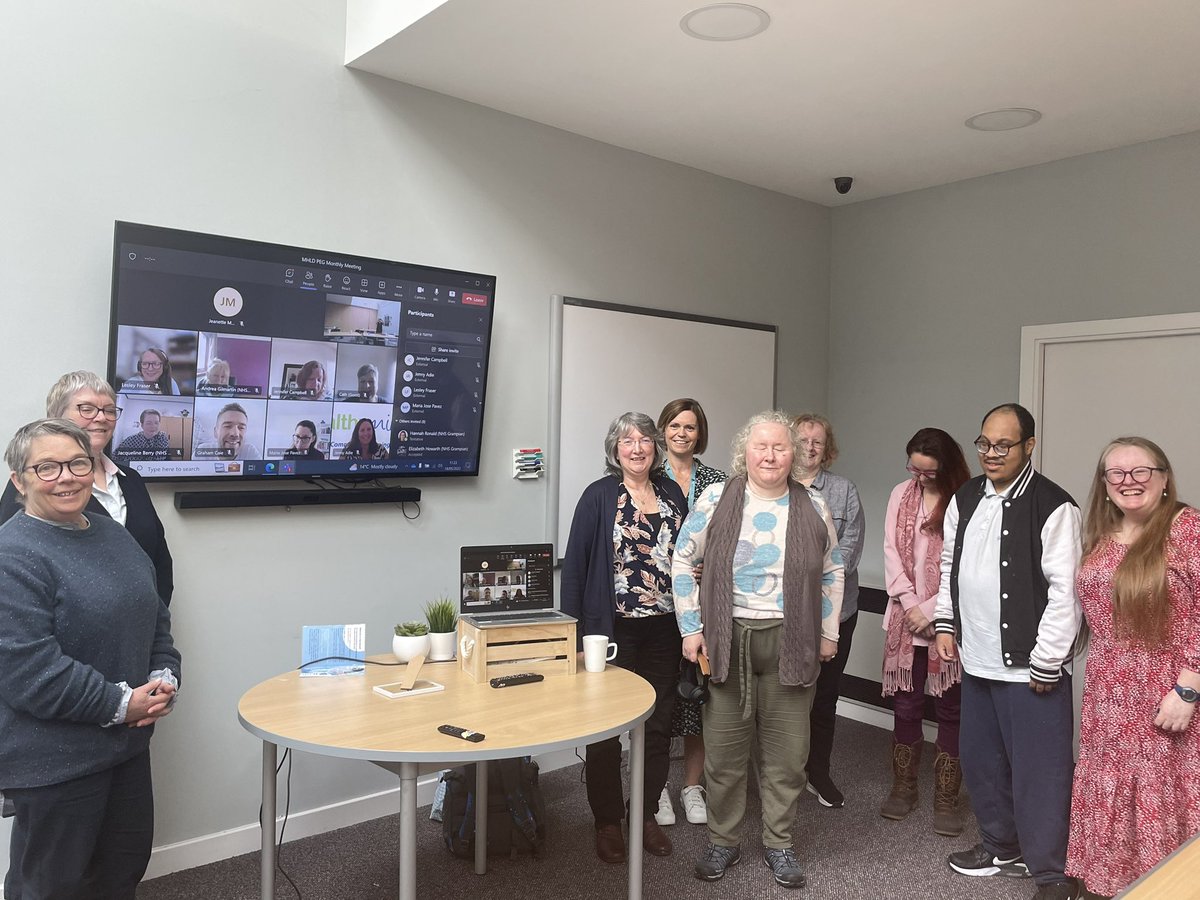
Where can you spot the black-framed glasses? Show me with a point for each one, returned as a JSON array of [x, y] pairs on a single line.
[[984, 446], [1139, 474], [89, 411], [303, 437], [52, 470], [924, 473]]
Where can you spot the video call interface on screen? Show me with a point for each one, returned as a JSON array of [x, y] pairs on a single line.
[[499, 579], [235, 358]]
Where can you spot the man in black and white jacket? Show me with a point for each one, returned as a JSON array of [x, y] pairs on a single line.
[[1007, 608]]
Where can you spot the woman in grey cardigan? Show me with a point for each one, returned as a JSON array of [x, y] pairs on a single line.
[[89, 667], [818, 450]]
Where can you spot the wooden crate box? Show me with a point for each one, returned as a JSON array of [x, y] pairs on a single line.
[[546, 647]]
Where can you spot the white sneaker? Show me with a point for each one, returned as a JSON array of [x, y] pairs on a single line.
[[666, 812], [692, 798]]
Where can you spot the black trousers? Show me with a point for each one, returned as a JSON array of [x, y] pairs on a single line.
[[651, 647], [823, 718], [84, 839]]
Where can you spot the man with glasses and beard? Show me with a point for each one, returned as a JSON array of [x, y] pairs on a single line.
[[1007, 609]]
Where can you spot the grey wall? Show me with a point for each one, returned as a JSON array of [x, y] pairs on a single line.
[[929, 292], [238, 118]]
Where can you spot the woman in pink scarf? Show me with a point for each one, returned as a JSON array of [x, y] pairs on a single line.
[[912, 550]]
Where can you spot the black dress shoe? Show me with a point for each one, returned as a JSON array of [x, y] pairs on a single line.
[[610, 843], [654, 839]]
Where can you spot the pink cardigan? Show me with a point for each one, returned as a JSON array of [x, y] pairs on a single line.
[[896, 581]]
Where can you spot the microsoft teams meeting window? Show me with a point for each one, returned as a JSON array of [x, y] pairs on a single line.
[[231, 366]]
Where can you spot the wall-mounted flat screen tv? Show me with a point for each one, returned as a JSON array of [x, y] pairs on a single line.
[[237, 359]]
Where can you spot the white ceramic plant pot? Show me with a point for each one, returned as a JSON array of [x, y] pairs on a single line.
[[405, 647], [441, 645]]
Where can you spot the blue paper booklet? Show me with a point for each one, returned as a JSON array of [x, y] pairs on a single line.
[[320, 641]]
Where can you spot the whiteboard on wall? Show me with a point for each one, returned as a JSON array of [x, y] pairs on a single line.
[[607, 359]]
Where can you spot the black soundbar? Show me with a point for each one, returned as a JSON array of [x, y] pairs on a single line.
[[220, 499]]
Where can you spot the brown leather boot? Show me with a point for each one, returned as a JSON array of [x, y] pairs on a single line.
[[947, 780], [906, 761]]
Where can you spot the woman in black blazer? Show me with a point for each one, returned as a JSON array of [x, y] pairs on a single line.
[[117, 491]]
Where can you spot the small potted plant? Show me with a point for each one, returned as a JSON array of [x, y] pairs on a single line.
[[442, 617], [411, 639]]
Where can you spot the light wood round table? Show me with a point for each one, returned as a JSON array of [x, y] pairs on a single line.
[[342, 716]]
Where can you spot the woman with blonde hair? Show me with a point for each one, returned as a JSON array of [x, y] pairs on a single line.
[[818, 450], [1136, 798]]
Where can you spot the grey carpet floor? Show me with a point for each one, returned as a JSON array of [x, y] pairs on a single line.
[[847, 853]]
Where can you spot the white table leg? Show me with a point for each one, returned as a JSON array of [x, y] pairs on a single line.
[[266, 822], [481, 816], [408, 830], [637, 801]]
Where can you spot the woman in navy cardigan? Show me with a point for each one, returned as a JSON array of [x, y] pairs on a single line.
[[117, 491], [616, 580]]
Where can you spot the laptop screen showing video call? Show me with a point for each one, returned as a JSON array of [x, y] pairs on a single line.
[[507, 578]]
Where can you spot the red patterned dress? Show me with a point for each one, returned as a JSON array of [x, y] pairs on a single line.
[[1136, 796]]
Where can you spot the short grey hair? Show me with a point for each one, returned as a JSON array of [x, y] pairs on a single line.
[[367, 369], [767, 417], [65, 389], [17, 454], [620, 428]]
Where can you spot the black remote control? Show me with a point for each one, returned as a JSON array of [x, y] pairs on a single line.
[[454, 731], [523, 678]]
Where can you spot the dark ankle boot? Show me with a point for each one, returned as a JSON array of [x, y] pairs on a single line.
[[906, 760], [947, 780]]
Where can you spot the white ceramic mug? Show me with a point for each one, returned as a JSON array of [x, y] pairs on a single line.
[[597, 650]]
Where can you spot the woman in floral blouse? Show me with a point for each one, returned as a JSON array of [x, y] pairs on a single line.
[[616, 580]]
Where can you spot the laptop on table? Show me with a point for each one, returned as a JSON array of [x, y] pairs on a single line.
[[508, 584]]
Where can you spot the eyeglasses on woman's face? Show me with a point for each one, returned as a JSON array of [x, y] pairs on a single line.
[[921, 473], [629, 443], [52, 470], [90, 411], [1139, 474]]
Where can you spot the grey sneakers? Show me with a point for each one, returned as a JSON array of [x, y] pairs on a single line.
[[784, 866], [715, 860]]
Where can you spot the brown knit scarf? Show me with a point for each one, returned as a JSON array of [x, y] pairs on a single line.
[[805, 543], [898, 649]]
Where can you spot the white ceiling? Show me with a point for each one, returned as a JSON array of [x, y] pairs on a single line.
[[874, 89]]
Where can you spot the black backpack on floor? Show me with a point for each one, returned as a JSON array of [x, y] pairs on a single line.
[[516, 810]]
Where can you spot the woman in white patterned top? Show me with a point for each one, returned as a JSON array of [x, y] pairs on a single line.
[[766, 614]]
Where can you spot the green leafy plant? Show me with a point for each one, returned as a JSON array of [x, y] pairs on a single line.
[[411, 629], [441, 615]]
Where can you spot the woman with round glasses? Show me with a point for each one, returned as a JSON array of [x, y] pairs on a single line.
[[912, 552], [1136, 797], [616, 580], [117, 491], [88, 665], [154, 373], [304, 442]]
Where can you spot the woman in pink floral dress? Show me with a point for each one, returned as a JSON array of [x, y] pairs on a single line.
[[1136, 796]]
